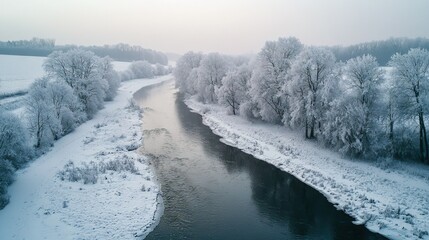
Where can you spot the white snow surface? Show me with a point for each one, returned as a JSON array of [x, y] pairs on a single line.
[[18, 72], [42, 206], [390, 198]]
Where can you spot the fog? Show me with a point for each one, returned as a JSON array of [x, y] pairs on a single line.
[[239, 26]]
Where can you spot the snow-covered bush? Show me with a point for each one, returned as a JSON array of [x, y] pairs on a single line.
[[14, 143], [6, 178], [160, 70], [15, 151], [88, 173], [142, 69]]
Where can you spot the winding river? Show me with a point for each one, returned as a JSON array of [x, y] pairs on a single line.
[[215, 191]]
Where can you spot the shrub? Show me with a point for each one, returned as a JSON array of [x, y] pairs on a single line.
[[14, 143], [88, 172], [6, 177]]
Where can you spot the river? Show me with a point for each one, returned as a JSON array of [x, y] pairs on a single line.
[[215, 191]]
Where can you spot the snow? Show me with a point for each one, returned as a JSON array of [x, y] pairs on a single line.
[[390, 197], [121, 66], [18, 72], [42, 206]]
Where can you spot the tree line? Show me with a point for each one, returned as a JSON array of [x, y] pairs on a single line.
[[119, 52], [76, 85], [355, 107], [382, 50]]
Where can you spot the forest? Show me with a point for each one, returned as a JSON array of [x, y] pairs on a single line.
[[356, 107]]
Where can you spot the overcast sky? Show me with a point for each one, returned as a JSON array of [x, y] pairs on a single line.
[[229, 26]]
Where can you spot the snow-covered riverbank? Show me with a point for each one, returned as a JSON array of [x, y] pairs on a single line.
[[121, 204], [389, 197]]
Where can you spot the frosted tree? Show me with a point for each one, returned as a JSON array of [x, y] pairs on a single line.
[[142, 69], [313, 76], [111, 76], [14, 143], [398, 131], [53, 110], [270, 75], [65, 106], [363, 77], [210, 73], [234, 88], [72, 66], [41, 118], [160, 70], [411, 81], [185, 65], [82, 72]]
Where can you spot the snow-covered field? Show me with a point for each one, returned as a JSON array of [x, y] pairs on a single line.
[[18, 72], [120, 205], [391, 198]]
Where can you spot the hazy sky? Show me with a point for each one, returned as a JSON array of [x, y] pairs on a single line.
[[229, 26]]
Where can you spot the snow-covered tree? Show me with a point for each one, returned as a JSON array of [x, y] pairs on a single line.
[[210, 73], [362, 78], [270, 75], [142, 69], [52, 109], [313, 76], [82, 71], [65, 106], [160, 70], [14, 143], [15, 151], [6, 178], [234, 88], [41, 118], [185, 65], [411, 81], [72, 66], [111, 76]]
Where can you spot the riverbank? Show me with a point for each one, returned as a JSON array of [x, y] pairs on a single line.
[[391, 198], [81, 189]]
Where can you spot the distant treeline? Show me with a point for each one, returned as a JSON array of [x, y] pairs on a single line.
[[118, 52], [382, 50], [33, 47]]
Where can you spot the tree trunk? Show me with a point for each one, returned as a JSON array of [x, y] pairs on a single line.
[[233, 107], [306, 129], [391, 138], [313, 123], [424, 146]]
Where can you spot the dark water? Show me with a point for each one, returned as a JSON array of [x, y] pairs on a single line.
[[214, 191]]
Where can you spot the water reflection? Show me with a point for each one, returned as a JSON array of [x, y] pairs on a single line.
[[214, 191]]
